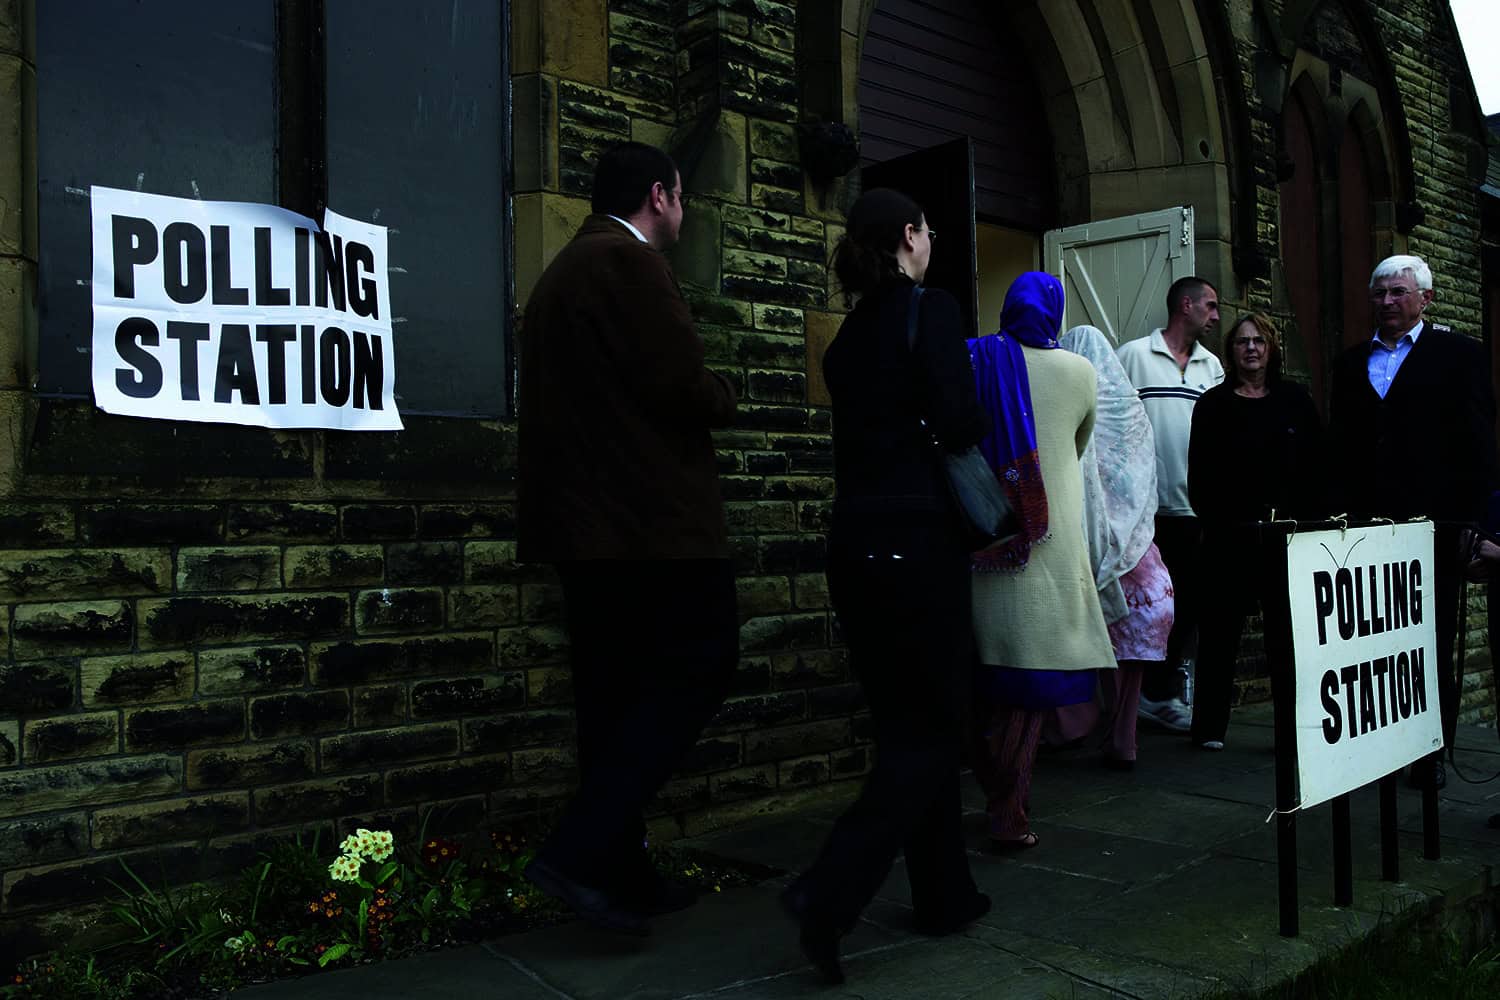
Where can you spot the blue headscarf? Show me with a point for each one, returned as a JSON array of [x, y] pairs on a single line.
[[1032, 316]]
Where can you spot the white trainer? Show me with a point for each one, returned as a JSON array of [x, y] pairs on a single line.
[[1172, 714]]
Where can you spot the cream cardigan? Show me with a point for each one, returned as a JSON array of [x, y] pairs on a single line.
[[1047, 617]]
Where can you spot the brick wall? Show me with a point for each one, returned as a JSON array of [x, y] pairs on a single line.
[[196, 657]]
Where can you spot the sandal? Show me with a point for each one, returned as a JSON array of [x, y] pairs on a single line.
[[1009, 846]]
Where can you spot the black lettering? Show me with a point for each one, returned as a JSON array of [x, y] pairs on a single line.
[[1323, 600], [143, 379], [1366, 700], [1334, 724], [134, 244], [333, 366], [236, 370], [1418, 679], [1343, 583], [1398, 594], [276, 337], [309, 366], [1379, 666], [1386, 592], [225, 294], [369, 371], [266, 293], [184, 263], [1359, 606], [1350, 675], [329, 268], [1377, 623], [188, 337], [1415, 576], [362, 291], [301, 255], [1404, 685]]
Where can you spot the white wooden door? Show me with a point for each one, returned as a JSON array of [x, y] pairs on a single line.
[[1116, 272]]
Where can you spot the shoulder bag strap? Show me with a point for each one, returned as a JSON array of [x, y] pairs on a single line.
[[912, 315]]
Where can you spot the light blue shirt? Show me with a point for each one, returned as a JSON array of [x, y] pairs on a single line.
[[1385, 361]]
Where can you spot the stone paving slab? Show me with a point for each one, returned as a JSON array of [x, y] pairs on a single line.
[[1158, 884], [472, 973]]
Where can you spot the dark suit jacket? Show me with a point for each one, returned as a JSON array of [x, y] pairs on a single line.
[[1428, 448], [616, 460]]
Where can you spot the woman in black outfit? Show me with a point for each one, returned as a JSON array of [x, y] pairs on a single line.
[[898, 574], [1255, 448]]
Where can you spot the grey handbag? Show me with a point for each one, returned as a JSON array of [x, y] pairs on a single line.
[[985, 510]]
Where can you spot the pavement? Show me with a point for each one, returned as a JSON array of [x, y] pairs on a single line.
[[1159, 883]]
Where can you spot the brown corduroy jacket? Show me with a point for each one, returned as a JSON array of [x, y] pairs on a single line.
[[616, 460]]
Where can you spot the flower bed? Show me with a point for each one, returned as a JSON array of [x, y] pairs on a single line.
[[296, 912]]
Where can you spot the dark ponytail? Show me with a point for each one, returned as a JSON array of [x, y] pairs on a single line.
[[866, 254]]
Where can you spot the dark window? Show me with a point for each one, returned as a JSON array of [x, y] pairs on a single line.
[[387, 111]]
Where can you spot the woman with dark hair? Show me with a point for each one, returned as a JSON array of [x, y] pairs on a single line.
[[1254, 452], [898, 575]]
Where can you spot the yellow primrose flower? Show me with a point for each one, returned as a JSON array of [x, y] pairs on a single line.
[[382, 843], [345, 868]]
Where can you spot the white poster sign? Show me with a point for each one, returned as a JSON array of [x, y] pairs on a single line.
[[1366, 652], [231, 312]]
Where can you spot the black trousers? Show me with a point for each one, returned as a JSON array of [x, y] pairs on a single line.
[[654, 646], [1231, 560], [1449, 571], [1178, 539], [907, 624]]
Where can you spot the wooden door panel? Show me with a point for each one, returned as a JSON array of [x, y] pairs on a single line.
[[1116, 272]]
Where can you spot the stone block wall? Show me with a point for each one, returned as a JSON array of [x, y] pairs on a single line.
[[195, 657], [213, 639]]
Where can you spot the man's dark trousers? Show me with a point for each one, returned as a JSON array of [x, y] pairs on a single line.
[[654, 646]]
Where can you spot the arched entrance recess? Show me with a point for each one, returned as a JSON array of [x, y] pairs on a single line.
[[1127, 92]]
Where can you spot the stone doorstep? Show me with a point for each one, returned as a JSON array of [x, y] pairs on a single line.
[[1115, 902]]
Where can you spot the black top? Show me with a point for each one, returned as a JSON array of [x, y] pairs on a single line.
[[1428, 447], [884, 460], [1248, 457]]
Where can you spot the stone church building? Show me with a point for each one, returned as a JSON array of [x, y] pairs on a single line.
[[216, 634]]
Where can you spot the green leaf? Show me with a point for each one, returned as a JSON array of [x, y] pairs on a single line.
[[333, 954]]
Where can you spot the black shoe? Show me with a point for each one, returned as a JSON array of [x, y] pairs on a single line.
[[817, 937], [955, 919], [598, 908]]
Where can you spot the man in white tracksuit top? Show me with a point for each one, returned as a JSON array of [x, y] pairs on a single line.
[[1171, 368]]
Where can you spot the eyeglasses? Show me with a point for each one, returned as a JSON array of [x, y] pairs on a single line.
[[1259, 342], [931, 233], [1397, 294]]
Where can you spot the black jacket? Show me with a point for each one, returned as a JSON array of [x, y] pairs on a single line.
[[884, 460], [1428, 448]]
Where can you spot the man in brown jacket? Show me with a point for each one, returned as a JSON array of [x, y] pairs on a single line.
[[618, 489]]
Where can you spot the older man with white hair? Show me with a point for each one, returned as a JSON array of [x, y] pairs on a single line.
[[1411, 419]]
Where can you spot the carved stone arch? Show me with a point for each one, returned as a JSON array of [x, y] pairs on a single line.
[[1132, 96], [1291, 25]]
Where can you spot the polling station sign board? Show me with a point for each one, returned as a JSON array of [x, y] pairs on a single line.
[[1364, 643], [233, 312]]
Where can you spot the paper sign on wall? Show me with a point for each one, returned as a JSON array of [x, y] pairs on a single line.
[[232, 312], [1365, 648]]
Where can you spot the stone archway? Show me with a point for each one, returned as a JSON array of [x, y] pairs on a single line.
[[1129, 95]]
